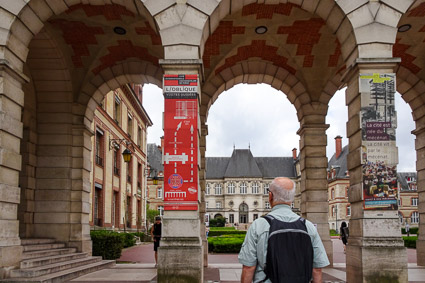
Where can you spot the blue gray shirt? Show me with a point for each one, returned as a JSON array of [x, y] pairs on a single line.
[[254, 248]]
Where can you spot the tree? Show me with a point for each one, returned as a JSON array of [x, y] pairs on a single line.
[[218, 222], [151, 213]]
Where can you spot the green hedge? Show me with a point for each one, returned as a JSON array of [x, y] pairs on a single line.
[[410, 242], [215, 233], [225, 244], [222, 229], [413, 230], [128, 239], [332, 232], [107, 244]]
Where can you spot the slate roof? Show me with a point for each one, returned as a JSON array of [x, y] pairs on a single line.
[[401, 178], [340, 163], [242, 164], [155, 159]]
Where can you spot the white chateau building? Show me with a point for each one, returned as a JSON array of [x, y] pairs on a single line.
[[236, 186]]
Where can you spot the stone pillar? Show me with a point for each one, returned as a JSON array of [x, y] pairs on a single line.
[[11, 131], [375, 250], [314, 184], [180, 257], [420, 167], [202, 184]]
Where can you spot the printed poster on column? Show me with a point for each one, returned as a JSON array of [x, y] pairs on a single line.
[[379, 150], [181, 142]]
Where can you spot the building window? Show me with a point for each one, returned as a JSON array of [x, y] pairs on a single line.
[[255, 216], [346, 191], [267, 205], [332, 193], [218, 189], [399, 201], [400, 216], [207, 189], [414, 219], [255, 188], [243, 188], [159, 191], [99, 148], [116, 161], [231, 188], [266, 188], [231, 218], [206, 205], [332, 210], [161, 210], [139, 136], [348, 210], [292, 205], [117, 110], [414, 201], [218, 204], [130, 125]]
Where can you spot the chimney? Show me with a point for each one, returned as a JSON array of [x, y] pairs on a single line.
[[338, 146], [162, 142], [294, 153]]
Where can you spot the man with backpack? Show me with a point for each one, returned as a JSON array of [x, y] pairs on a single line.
[[282, 247]]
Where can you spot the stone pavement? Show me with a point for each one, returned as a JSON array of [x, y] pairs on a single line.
[[137, 265]]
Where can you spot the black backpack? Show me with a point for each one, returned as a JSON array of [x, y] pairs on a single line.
[[289, 252]]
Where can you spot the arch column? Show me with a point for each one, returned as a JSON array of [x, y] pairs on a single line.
[[11, 131], [180, 256], [420, 167], [314, 184], [202, 185], [375, 250]]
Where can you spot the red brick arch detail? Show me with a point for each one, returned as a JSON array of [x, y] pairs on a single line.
[[418, 11], [333, 59], [305, 34], [399, 50], [266, 11], [147, 30], [257, 48], [125, 49], [222, 35], [79, 36], [111, 12]]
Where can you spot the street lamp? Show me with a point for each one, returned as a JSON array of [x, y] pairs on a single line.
[[126, 154], [114, 143]]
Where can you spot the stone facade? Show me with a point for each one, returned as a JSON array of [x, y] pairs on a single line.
[[59, 58], [117, 192]]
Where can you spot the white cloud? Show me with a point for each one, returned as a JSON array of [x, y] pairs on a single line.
[[262, 117]]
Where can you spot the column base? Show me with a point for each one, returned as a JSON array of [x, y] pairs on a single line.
[[180, 259], [376, 260], [10, 257], [420, 251]]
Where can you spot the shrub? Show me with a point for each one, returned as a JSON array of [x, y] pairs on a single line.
[[225, 244], [410, 242], [128, 239], [215, 233], [218, 222], [413, 230], [222, 229], [332, 232], [141, 235], [107, 244]]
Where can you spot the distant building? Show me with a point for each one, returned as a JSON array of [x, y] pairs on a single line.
[[116, 196], [408, 199], [338, 184], [237, 186], [155, 178]]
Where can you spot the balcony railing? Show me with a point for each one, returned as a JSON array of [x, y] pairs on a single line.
[[99, 160]]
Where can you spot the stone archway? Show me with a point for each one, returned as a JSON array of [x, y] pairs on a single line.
[[243, 213]]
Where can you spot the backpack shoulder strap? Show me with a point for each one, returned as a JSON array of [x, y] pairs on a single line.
[[269, 218]]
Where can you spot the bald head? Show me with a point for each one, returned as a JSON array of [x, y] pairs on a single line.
[[283, 190]]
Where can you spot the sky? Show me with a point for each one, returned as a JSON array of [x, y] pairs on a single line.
[[262, 118]]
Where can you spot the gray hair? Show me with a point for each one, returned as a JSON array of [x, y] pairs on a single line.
[[281, 194]]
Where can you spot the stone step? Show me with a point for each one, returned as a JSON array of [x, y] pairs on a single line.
[[36, 241], [65, 275], [41, 247], [29, 263], [52, 268], [53, 252]]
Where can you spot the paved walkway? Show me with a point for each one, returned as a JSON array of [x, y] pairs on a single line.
[[137, 265]]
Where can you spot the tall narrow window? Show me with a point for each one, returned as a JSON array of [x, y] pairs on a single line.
[[231, 218], [218, 189], [117, 110], [160, 192], [348, 210], [267, 205], [139, 136], [255, 188], [116, 161], [243, 188], [414, 201], [414, 219], [130, 125], [161, 210], [99, 148], [207, 189], [231, 188], [266, 189], [218, 204], [129, 172]]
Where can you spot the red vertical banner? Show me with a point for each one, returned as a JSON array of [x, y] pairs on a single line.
[[181, 142]]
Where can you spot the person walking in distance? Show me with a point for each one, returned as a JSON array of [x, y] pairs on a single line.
[[282, 246], [343, 234], [407, 228], [156, 236]]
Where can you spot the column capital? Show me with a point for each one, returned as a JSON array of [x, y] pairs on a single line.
[[6, 67], [183, 66], [370, 64]]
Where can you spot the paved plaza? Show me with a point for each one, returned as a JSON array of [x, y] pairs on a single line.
[[137, 265]]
